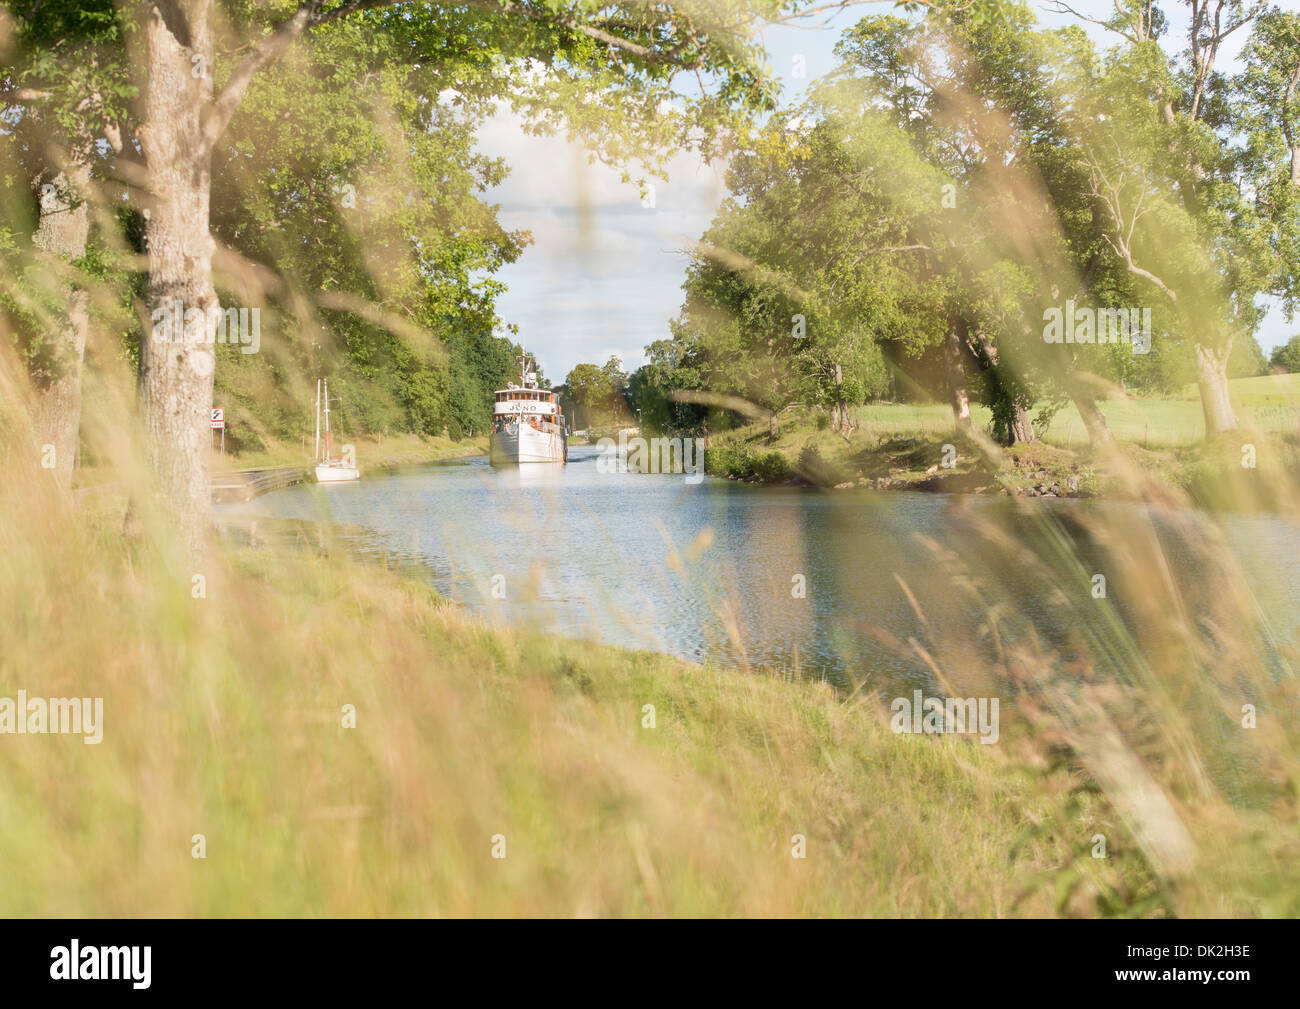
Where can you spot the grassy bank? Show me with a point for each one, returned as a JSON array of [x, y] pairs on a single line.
[[912, 458], [1268, 404], [916, 447], [226, 711], [223, 717]]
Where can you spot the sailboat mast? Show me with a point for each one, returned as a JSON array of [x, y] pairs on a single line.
[[315, 455], [329, 445]]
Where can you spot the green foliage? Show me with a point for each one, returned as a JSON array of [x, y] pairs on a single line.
[[1287, 356], [599, 394], [1268, 117], [740, 460], [348, 185], [311, 182], [25, 303], [812, 466], [968, 174], [1247, 359]]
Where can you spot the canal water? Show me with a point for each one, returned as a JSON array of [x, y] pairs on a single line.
[[797, 581]]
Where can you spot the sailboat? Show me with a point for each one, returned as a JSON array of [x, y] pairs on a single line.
[[329, 469]]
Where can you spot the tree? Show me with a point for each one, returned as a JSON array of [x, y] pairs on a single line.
[[1287, 356], [962, 156], [935, 201], [322, 208], [630, 54], [598, 392], [779, 308], [66, 78], [1269, 93], [668, 368], [1167, 172]]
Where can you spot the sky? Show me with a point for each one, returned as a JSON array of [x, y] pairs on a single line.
[[604, 274]]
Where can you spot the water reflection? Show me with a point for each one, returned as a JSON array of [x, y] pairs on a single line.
[[783, 578]]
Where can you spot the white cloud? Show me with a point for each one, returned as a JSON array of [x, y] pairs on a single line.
[[603, 275]]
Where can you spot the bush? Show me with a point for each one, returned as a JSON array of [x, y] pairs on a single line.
[[771, 466], [813, 468], [738, 460]]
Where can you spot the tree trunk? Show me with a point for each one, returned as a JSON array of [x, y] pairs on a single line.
[[1099, 432], [772, 430], [61, 232], [1079, 388], [957, 375], [1212, 379], [841, 408], [1022, 428], [177, 355]]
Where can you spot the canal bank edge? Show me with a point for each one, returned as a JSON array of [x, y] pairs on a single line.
[[1238, 471]]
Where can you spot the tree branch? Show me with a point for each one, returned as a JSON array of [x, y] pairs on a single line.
[[1063, 8], [313, 14], [270, 49]]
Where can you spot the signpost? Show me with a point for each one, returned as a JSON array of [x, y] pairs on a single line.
[[219, 423]]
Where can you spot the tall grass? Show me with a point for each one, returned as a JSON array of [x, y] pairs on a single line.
[[224, 717]]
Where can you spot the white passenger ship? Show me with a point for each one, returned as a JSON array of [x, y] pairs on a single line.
[[527, 423]]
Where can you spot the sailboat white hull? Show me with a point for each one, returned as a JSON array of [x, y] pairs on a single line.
[[329, 469], [520, 443], [326, 473]]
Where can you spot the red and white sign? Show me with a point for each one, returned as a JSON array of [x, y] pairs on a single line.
[[218, 418]]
